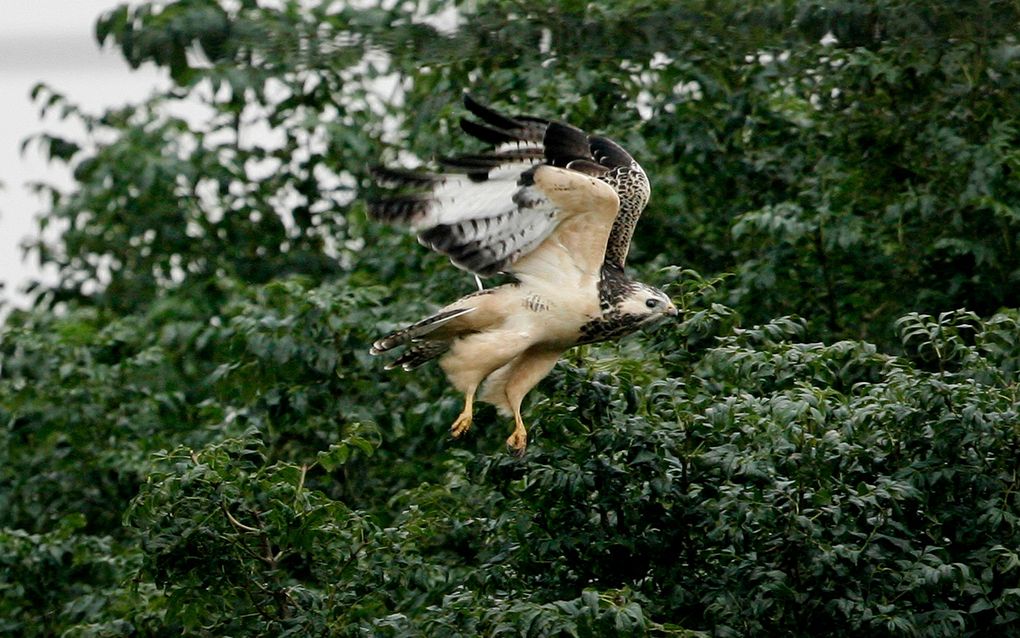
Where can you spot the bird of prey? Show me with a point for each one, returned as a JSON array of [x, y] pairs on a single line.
[[547, 204]]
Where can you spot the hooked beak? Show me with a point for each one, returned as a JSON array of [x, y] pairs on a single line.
[[672, 311]]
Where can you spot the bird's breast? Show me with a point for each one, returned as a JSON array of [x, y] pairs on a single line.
[[554, 315]]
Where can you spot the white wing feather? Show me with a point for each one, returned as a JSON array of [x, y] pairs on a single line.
[[458, 198]]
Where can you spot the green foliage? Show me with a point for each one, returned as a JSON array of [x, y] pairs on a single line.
[[195, 441]]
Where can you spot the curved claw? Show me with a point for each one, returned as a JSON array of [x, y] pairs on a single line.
[[463, 422], [460, 426], [517, 442]]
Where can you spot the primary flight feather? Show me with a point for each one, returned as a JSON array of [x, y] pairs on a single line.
[[548, 204]]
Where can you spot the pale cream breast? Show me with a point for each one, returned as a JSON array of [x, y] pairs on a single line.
[[554, 314], [513, 319]]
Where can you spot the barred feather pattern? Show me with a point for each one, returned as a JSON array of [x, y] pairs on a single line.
[[481, 210], [488, 245], [419, 354], [417, 330]]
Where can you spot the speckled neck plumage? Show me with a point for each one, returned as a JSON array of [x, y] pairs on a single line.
[[632, 185], [614, 286]]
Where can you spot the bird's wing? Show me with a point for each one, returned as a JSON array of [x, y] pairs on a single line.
[[544, 186]]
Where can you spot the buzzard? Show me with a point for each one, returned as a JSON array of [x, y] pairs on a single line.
[[549, 205]]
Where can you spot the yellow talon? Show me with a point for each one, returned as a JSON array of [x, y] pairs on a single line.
[[463, 422], [517, 442], [460, 426]]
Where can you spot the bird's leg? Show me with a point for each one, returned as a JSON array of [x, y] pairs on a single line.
[[463, 422], [528, 371], [517, 442]]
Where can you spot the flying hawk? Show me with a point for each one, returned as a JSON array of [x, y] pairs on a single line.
[[554, 208]]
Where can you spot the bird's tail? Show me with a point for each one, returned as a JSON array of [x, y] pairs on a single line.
[[422, 348], [419, 354]]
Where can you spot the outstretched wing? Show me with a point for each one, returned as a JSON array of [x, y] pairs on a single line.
[[568, 146], [545, 186]]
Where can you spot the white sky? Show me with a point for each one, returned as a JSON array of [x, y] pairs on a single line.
[[50, 41]]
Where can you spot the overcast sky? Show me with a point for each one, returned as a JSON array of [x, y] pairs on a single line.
[[50, 41]]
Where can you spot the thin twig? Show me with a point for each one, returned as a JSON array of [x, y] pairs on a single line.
[[236, 523]]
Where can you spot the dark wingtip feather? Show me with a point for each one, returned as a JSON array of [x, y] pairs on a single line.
[[499, 128], [399, 210], [489, 115], [483, 162], [438, 238], [398, 177], [471, 162], [609, 153], [587, 167], [487, 134], [564, 143]]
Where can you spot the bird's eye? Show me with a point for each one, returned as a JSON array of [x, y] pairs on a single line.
[[652, 302]]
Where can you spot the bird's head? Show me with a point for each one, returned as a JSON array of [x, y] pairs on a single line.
[[647, 304]]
